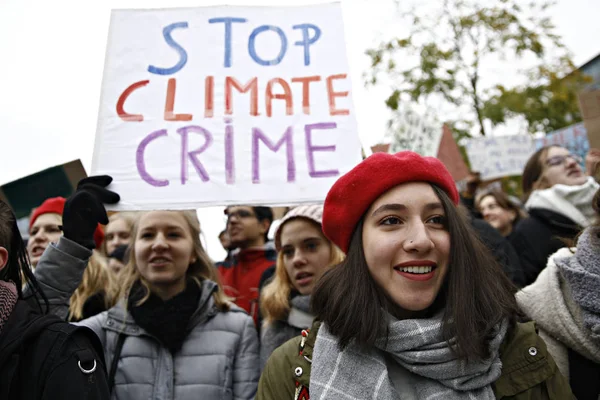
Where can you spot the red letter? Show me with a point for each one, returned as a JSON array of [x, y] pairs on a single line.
[[306, 80], [120, 111], [332, 95], [287, 96], [252, 86], [209, 89], [169, 115]]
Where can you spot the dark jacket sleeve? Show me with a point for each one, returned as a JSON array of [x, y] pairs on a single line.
[[533, 242], [503, 251], [66, 380]]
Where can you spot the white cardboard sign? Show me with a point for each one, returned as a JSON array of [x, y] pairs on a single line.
[[225, 105], [495, 157], [411, 131]]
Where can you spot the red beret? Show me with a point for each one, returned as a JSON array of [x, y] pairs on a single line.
[[55, 205], [352, 194]]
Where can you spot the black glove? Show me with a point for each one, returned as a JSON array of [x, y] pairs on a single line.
[[84, 209]]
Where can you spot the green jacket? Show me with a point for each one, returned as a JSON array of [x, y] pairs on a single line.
[[528, 370]]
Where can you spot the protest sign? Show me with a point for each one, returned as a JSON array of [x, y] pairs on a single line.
[[409, 130], [589, 104], [225, 105], [574, 138], [495, 157]]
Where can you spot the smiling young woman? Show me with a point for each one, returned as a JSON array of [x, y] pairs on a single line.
[[174, 333], [418, 308]]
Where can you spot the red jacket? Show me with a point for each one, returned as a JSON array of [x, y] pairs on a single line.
[[241, 276]]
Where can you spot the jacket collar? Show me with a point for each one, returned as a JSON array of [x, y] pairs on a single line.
[[525, 361], [120, 320]]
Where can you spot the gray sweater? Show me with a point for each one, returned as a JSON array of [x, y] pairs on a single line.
[[219, 358]]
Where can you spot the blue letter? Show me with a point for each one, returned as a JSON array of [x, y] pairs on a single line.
[[228, 21], [307, 40], [182, 53], [252, 47]]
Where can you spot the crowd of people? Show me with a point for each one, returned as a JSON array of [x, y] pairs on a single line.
[[396, 287]]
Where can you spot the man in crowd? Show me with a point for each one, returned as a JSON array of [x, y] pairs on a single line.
[[241, 274]]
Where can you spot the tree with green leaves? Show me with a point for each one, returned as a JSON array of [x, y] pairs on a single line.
[[450, 50]]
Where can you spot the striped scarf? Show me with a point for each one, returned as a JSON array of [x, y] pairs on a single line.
[[8, 300]]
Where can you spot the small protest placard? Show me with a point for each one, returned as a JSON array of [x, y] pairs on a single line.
[[410, 130], [589, 104], [574, 138], [225, 105], [495, 157]]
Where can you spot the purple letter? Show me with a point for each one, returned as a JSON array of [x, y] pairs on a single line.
[[141, 164], [310, 149], [192, 154], [289, 145], [229, 156]]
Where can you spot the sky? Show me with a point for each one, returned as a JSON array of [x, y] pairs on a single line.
[[53, 57]]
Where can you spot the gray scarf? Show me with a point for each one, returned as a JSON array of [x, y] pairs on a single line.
[[416, 345], [582, 272], [278, 332]]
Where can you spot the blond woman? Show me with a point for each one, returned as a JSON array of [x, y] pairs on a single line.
[[304, 254]]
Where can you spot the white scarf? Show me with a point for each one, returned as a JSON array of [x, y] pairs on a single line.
[[574, 202]]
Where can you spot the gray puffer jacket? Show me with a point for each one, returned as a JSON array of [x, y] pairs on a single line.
[[218, 360]]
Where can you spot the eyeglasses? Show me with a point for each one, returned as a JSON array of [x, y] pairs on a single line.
[[241, 214], [559, 160]]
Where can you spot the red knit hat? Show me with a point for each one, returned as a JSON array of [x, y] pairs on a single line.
[[352, 194], [55, 205]]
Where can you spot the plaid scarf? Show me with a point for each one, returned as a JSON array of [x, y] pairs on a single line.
[[8, 300], [416, 345]]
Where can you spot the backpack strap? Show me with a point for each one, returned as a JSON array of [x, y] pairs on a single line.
[[115, 361], [57, 335]]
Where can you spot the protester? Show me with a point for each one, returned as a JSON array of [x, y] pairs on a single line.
[[97, 290], [304, 254], [174, 334], [565, 305], [118, 231], [41, 356], [499, 211], [241, 274], [418, 309], [559, 201]]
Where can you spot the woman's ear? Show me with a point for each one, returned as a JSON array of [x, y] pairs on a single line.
[[3, 257]]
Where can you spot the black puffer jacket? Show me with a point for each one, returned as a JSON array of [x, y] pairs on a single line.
[[538, 237], [42, 357]]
